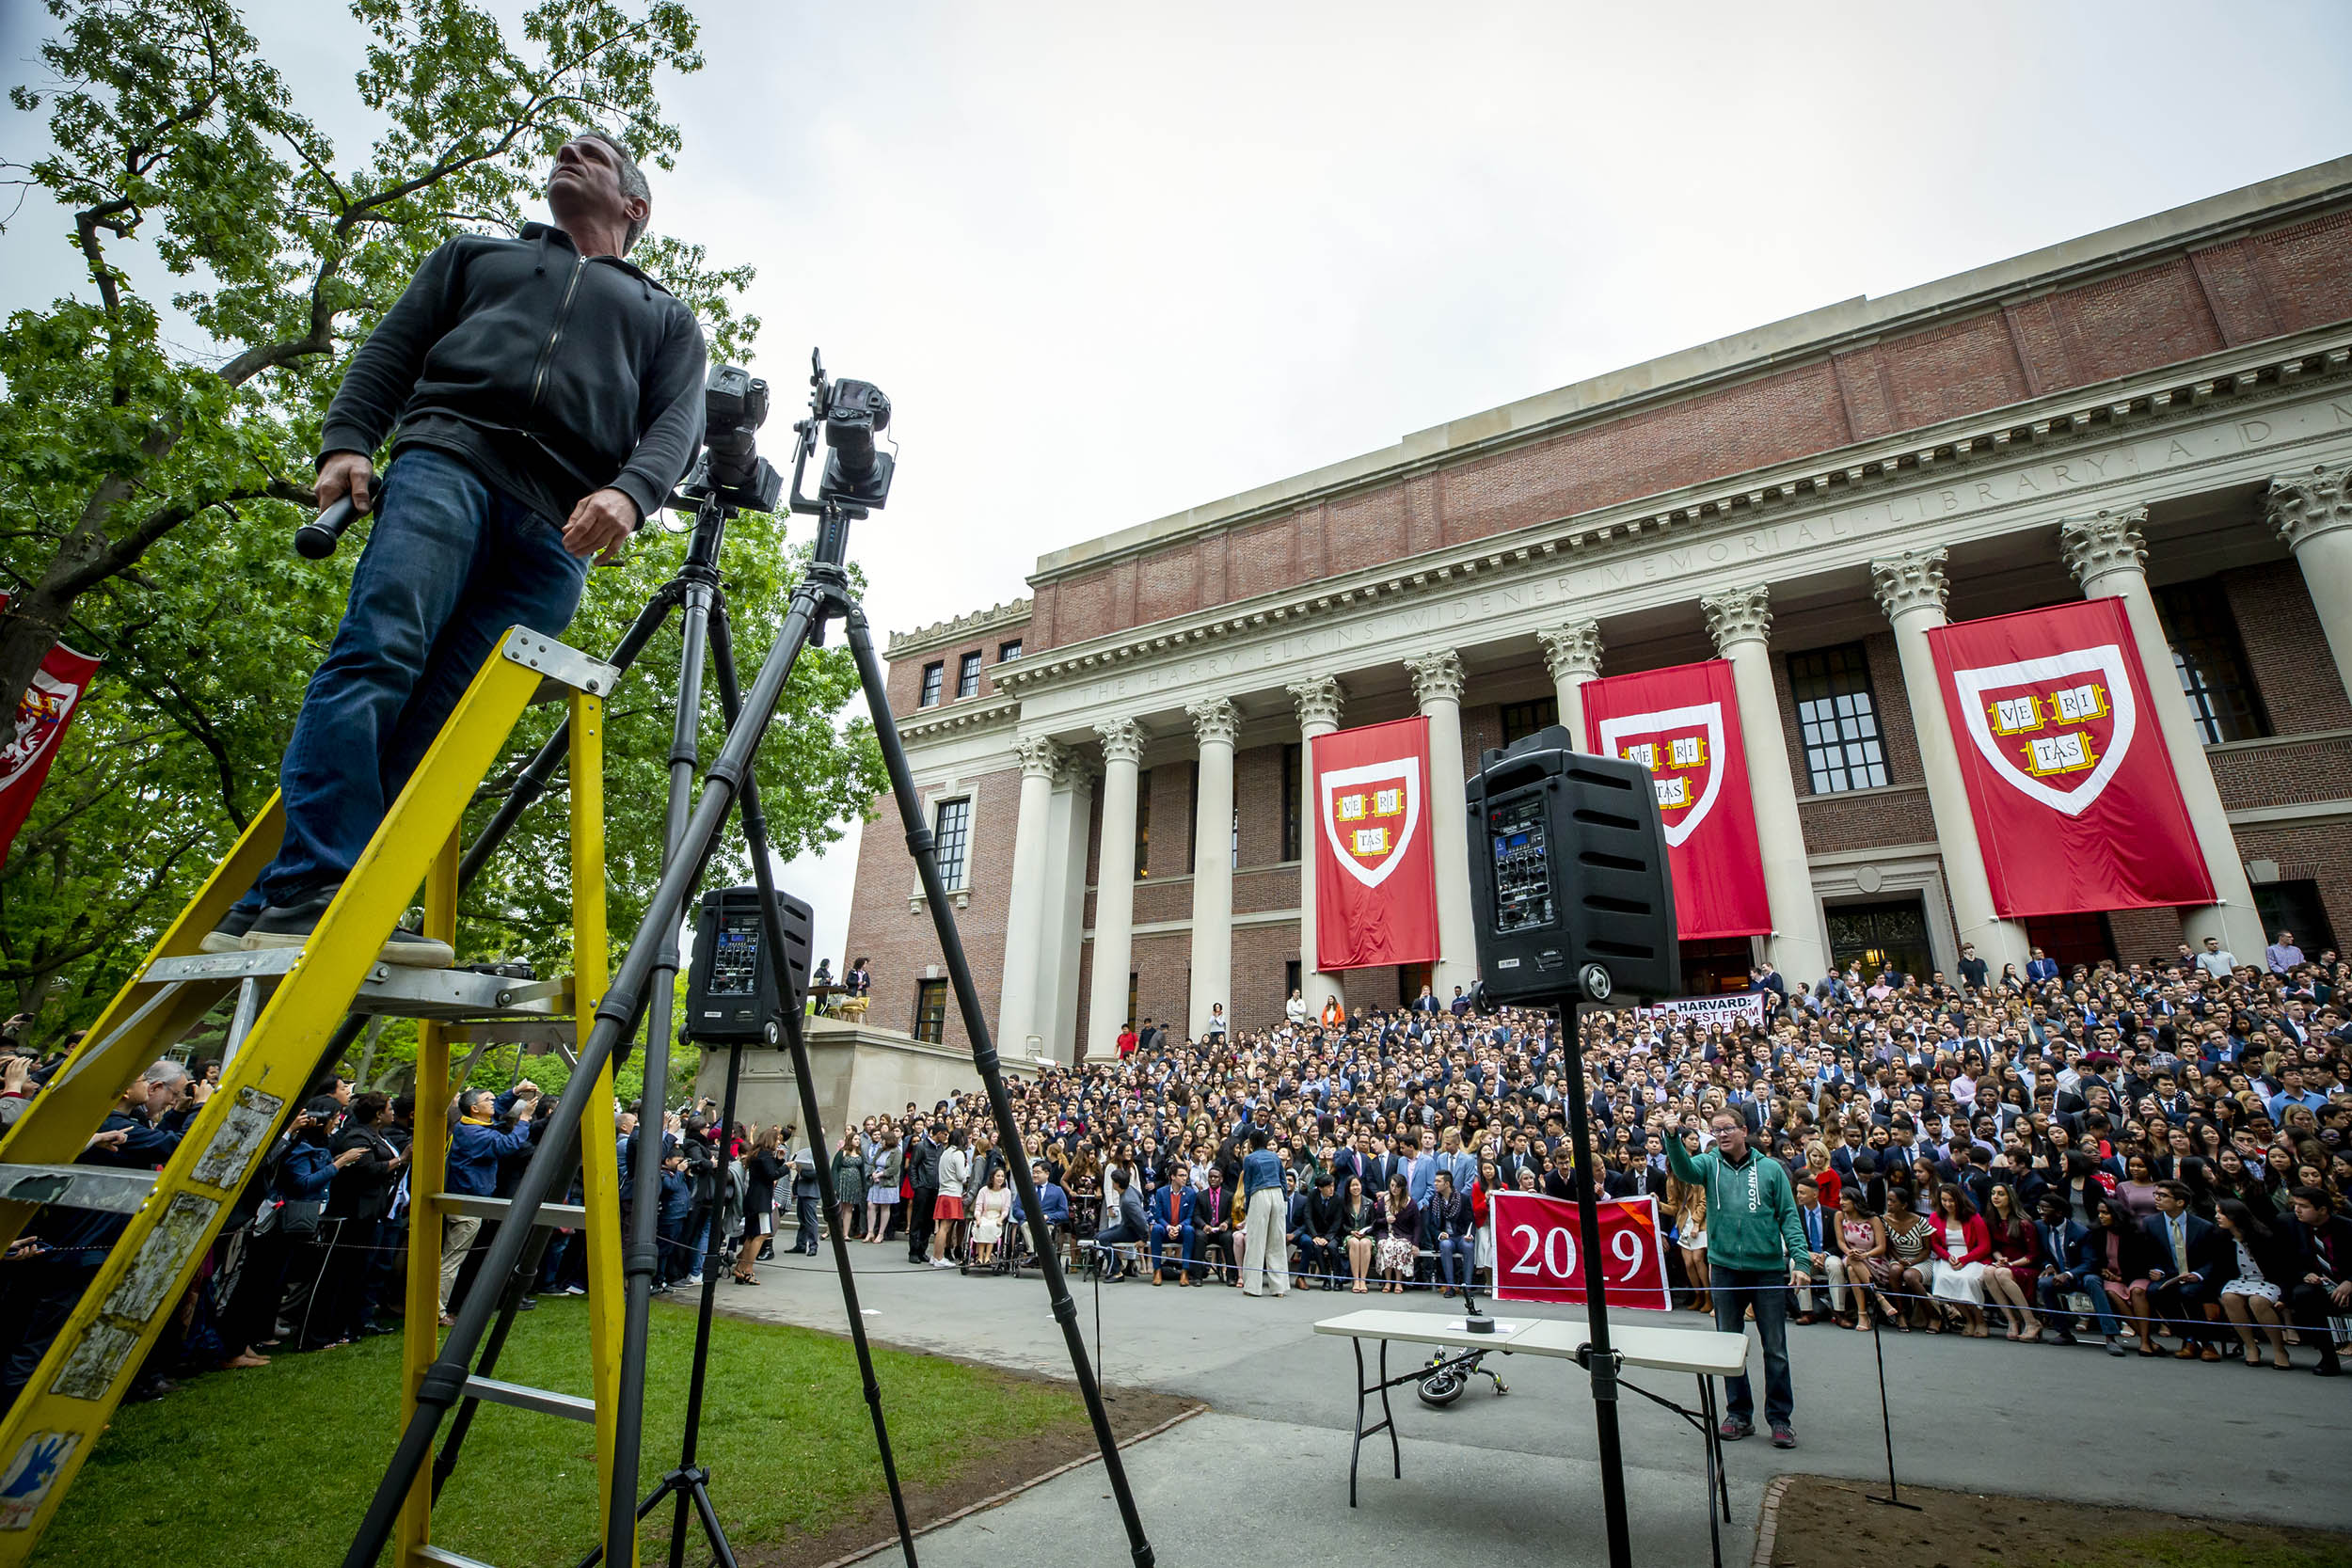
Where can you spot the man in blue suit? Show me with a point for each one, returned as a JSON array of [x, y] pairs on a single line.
[[1173, 1209], [2074, 1266], [2189, 1271]]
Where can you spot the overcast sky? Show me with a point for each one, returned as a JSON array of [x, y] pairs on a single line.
[[1109, 265]]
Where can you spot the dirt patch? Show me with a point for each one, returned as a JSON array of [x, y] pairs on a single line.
[[989, 1474], [1823, 1521]]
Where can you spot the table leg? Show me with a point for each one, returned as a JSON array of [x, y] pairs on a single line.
[[1715, 1471], [1356, 1453], [1722, 1478], [1388, 1417]]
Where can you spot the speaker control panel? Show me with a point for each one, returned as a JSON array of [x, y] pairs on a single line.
[[1522, 865]]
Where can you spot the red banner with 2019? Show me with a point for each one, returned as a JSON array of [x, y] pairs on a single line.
[[1537, 1257], [2076, 802]]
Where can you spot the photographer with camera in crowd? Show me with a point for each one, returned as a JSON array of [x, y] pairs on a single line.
[[547, 396]]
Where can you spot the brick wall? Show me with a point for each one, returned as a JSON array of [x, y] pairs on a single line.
[[1171, 821], [899, 945], [1257, 793], [1163, 979], [1261, 958], [2143, 934], [2321, 853], [2157, 313], [2286, 652], [2282, 772], [905, 675]]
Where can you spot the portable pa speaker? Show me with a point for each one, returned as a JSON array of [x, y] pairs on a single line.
[[1570, 885], [735, 985]]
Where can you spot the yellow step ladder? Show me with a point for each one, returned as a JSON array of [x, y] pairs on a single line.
[[287, 1006]]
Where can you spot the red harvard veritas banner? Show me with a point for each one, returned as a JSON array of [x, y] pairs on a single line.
[[1375, 886], [2068, 777], [43, 714], [1683, 725]]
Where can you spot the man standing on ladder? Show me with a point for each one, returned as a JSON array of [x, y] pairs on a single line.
[[547, 396]]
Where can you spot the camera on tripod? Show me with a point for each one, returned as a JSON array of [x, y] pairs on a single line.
[[735, 405], [857, 474]]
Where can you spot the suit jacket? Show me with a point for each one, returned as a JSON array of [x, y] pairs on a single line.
[[1181, 1198], [2211, 1257], [1820, 1225], [2324, 1249], [2066, 1245]]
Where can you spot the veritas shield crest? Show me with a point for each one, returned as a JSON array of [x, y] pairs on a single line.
[[1682, 747], [2054, 729], [1370, 814]]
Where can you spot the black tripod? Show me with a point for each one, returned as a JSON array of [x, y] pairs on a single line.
[[651, 963]]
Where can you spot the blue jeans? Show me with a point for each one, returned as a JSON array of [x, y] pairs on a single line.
[[1456, 1255], [451, 564], [1767, 1289]]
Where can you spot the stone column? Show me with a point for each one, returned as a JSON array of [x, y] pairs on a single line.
[[1215, 724], [1910, 588], [1024, 904], [1740, 623], [2312, 514], [1114, 889], [1572, 654], [1067, 818], [1317, 700], [1438, 688], [2108, 551]]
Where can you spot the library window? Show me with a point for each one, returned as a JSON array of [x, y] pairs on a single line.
[[1007, 651], [968, 675], [951, 838], [931, 1010], [2210, 662], [1838, 719], [1143, 823], [1290, 764], [1522, 719], [933, 675]]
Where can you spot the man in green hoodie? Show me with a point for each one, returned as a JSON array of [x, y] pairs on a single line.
[[1754, 1244]]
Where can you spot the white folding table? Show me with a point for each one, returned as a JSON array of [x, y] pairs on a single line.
[[1705, 1353]]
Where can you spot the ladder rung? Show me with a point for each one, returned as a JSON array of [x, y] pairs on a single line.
[[523, 1397], [554, 1217], [447, 1559], [118, 1192], [448, 994]]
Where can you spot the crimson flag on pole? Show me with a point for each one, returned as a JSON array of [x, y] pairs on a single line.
[[43, 714], [2069, 781], [1683, 724], [1375, 885]]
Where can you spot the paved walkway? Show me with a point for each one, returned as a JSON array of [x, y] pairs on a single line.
[[1511, 1480]]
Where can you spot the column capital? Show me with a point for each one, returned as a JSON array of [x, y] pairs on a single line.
[[1215, 721], [1123, 740], [1572, 652], [1909, 581], [1437, 677], [2104, 543], [1317, 699], [2306, 505], [1041, 756], [1074, 772], [1742, 615]]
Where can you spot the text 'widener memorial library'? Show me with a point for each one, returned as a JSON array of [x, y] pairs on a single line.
[[1894, 596]]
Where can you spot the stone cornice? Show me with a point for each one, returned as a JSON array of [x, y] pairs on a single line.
[[1852, 475], [944, 634], [931, 723], [1813, 338], [2308, 505]]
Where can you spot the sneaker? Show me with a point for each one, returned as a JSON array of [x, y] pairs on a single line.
[[290, 925], [1734, 1428], [692, 1280], [575, 1290], [228, 936], [1782, 1436], [2115, 1346], [942, 1262]]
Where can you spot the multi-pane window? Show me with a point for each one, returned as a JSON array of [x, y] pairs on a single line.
[[1522, 719], [1143, 823], [933, 675], [1005, 650], [968, 675], [931, 1010], [952, 841], [1838, 719], [2210, 661], [1292, 758], [1237, 836]]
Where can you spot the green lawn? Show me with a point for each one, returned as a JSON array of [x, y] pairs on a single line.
[[2217, 1546], [275, 1465]]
